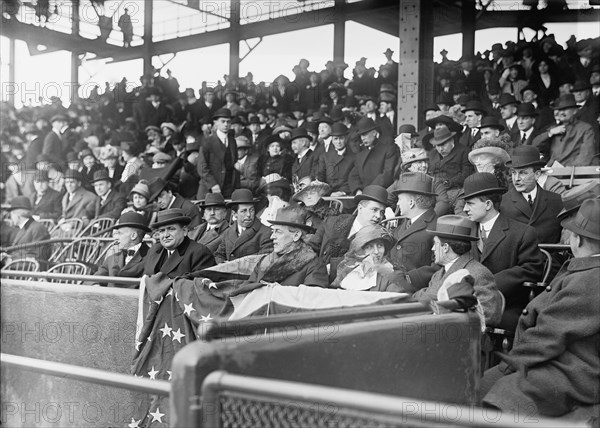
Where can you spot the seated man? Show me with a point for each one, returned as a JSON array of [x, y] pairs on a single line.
[[292, 261], [46, 201], [164, 194], [554, 365], [111, 202], [77, 202], [211, 232], [176, 254], [129, 260], [248, 235], [452, 237]]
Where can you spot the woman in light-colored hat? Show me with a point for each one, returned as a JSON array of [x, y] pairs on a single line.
[[311, 197], [140, 197]]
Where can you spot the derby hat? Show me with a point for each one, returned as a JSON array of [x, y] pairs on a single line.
[[241, 196], [20, 203], [587, 220], [446, 120], [370, 233], [441, 135], [242, 142], [213, 200], [293, 216], [74, 174], [573, 198], [581, 85], [319, 118], [414, 182], [565, 101], [339, 129], [299, 133], [527, 109], [497, 152], [455, 227], [133, 220], [101, 175], [414, 155], [474, 105], [524, 156], [171, 216], [481, 183], [141, 188], [507, 99], [408, 129], [373, 192], [222, 112], [254, 119], [311, 127], [366, 124], [491, 122]]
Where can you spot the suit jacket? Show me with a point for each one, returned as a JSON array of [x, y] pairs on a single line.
[[210, 239], [374, 166], [189, 209], [188, 257], [413, 244], [114, 265], [511, 253], [334, 170], [83, 204], [112, 206], [576, 147], [467, 140], [50, 206], [32, 231], [485, 287], [254, 240], [307, 167], [249, 173], [454, 168], [212, 169], [554, 361], [542, 216], [53, 147]]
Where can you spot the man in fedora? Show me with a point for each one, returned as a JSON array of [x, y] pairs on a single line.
[[572, 200], [210, 233], [572, 142], [217, 157], [247, 235], [553, 365], [305, 162], [526, 120], [474, 111], [46, 202], [175, 254], [416, 201], [375, 164], [128, 261], [451, 240], [508, 248], [164, 193], [247, 164], [332, 239], [335, 166], [588, 110], [110, 202], [77, 202], [292, 261], [526, 201], [508, 112]]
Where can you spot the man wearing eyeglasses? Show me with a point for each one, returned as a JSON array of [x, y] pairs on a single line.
[[526, 201]]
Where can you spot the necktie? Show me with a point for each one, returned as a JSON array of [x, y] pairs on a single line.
[[523, 138], [482, 238], [529, 200]]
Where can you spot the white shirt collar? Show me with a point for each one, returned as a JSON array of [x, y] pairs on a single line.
[[222, 136], [448, 265], [301, 155], [327, 142], [533, 194], [341, 152], [510, 122], [171, 203], [415, 218], [356, 226], [488, 225]]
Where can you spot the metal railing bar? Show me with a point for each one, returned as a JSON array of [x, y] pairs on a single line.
[[86, 374], [49, 242], [85, 278]]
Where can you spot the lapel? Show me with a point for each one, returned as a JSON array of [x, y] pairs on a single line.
[[137, 258], [76, 198], [108, 199], [177, 203], [246, 234], [539, 205], [417, 226], [497, 235], [520, 203], [176, 258], [19, 237], [460, 263]]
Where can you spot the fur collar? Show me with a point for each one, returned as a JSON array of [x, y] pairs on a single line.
[[276, 268]]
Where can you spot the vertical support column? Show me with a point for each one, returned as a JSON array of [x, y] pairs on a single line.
[[234, 40], [148, 35], [11, 70], [75, 62], [468, 27], [426, 74], [339, 32], [408, 62]]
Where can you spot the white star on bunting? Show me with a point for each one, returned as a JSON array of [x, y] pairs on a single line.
[[205, 318], [134, 423], [153, 373], [137, 345], [188, 309], [157, 416], [166, 330], [158, 302], [170, 293], [170, 373], [177, 335]]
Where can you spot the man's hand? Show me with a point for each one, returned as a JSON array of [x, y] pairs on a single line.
[[557, 130]]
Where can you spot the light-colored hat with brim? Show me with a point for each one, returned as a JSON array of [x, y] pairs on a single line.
[[370, 233], [587, 220], [414, 182], [455, 227], [171, 216], [141, 188], [315, 186], [441, 135], [293, 216], [573, 198], [496, 152], [168, 125], [414, 155]]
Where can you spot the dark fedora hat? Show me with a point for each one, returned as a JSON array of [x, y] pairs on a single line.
[[481, 183], [524, 156], [373, 192], [366, 124], [565, 101], [222, 112], [74, 174], [299, 133], [171, 216], [407, 129], [527, 109], [59, 117], [156, 185], [587, 221], [319, 118], [339, 129], [506, 99], [447, 120], [475, 105], [455, 227], [581, 85], [241, 196], [414, 182], [441, 135], [134, 220], [491, 122], [213, 200], [293, 216], [101, 175], [573, 198], [20, 203]]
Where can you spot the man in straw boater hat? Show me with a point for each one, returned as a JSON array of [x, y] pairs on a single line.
[[110, 202], [175, 254], [572, 142], [247, 235], [526, 201], [292, 261], [452, 236], [552, 369], [210, 233], [508, 248], [128, 261]]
